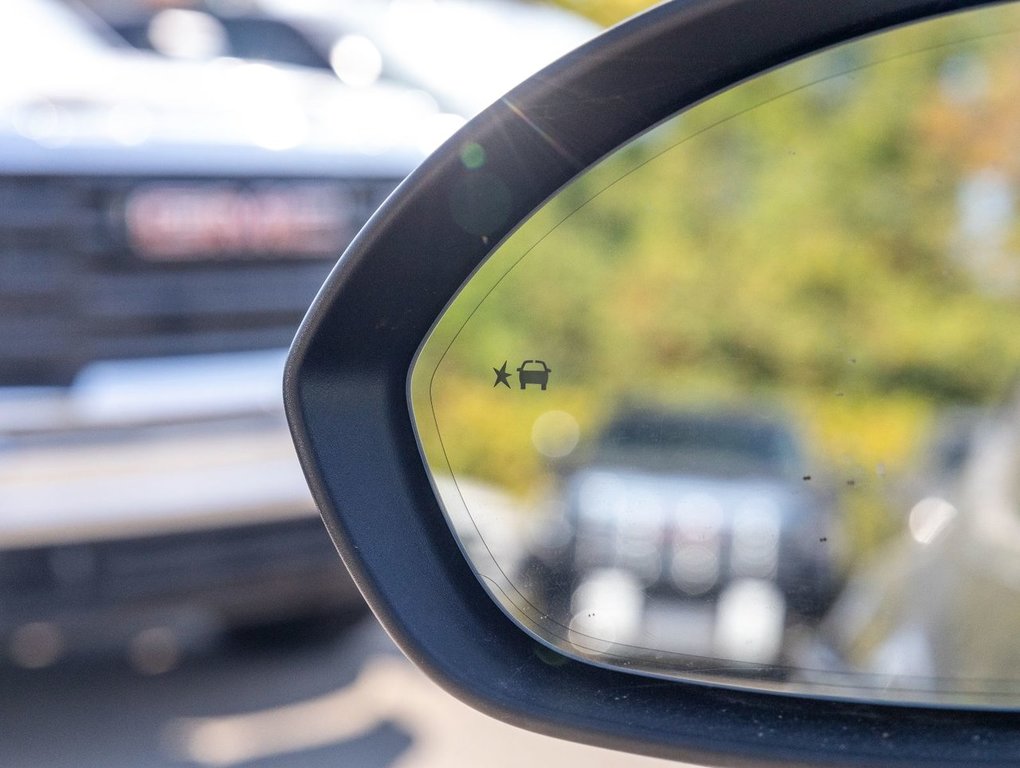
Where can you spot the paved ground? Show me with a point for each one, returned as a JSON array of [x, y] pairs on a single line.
[[348, 701]]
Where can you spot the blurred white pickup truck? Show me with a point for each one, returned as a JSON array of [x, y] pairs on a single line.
[[163, 227]]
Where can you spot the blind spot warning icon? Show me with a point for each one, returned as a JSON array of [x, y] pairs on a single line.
[[534, 372]]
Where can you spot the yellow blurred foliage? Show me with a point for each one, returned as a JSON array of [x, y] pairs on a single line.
[[606, 12]]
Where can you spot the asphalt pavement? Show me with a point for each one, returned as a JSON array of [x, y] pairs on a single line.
[[343, 700]]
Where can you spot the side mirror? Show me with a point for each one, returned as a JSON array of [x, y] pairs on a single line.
[[604, 407]]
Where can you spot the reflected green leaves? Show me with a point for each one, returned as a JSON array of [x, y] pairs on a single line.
[[826, 258]]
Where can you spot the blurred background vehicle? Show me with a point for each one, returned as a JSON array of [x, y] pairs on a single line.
[[164, 226], [705, 518], [422, 44]]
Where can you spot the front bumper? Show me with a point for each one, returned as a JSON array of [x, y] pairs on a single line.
[[239, 575], [149, 490]]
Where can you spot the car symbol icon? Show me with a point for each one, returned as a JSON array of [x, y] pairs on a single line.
[[534, 372]]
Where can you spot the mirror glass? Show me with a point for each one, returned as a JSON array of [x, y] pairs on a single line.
[[741, 403]]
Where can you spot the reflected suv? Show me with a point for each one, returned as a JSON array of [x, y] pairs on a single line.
[[703, 517]]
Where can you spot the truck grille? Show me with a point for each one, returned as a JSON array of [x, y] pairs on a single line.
[[76, 288]]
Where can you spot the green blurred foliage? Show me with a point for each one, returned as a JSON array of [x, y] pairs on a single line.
[[797, 240]]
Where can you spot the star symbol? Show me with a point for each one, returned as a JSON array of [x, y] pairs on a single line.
[[502, 376]]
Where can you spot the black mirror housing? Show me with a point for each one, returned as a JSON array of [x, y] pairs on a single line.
[[347, 402]]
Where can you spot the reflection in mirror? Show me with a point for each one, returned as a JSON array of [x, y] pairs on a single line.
[[740, 403]]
